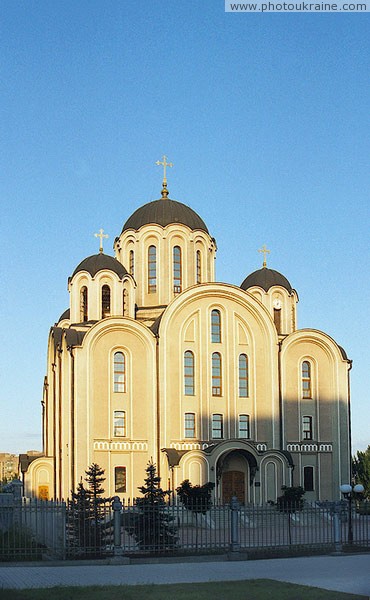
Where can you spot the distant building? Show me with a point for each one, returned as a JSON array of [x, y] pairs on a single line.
[[8, 466], [215, 382]]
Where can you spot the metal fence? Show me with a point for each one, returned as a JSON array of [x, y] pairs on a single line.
[[34, 529]]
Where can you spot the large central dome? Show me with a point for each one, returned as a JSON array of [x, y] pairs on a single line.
[[165, 212]]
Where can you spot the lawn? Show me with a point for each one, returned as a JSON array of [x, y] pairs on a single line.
[[258, 589]]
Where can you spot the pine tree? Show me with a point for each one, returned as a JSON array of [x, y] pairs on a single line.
[[151, 524], [361, 470], [196, 498]]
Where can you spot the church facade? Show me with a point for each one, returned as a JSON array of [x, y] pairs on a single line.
[[214, 382]]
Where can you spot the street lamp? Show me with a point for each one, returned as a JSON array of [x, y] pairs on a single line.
[[350, 492]]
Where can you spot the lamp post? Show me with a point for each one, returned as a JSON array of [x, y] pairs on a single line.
[[350, 492]]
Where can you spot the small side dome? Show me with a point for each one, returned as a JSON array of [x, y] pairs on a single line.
[[100, 262], [266, 278], [165, 212], [65, 315]]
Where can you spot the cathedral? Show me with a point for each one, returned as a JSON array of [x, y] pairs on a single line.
[[155, 359]]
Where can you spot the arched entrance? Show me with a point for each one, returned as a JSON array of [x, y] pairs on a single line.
[[235, 473]]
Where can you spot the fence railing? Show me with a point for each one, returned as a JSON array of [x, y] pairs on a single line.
[[34, 529]]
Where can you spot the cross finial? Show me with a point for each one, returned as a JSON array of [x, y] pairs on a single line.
[[264, 251], [101, 235], [165, 164]]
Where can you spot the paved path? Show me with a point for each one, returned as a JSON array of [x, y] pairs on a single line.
[[340, 573]]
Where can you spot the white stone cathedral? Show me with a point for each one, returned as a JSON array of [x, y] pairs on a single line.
[[215, 382]]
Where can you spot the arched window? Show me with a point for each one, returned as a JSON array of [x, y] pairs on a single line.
[[189, 425], [199, 266], [277, 319], [243, 376], [217, 427], [131, 263], [152, 269], [83, 304], [177, 278], [124, 303], [119, 372], [216, 326], [119, 423], [244, 426], [189, 373], [306, 379], [216, 374], [105, 301], [307, 432]]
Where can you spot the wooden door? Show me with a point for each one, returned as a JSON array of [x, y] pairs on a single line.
[[233, 484]]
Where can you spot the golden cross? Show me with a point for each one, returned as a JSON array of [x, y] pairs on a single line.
[[264, 251], [101, 235], [165, 164]]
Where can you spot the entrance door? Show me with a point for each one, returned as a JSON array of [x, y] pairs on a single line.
[[233, 484]]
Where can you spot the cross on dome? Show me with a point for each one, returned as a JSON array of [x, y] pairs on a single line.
[[264, 251], [101, 235], [165, 164]]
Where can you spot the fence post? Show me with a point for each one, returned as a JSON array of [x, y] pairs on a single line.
[[235, 540], [337, 507], [117, 508]]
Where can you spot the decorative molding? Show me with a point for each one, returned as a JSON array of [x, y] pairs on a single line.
[[110, 446], [309, 447]]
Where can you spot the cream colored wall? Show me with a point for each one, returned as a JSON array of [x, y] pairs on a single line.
[[246, 328], [288, 302], [164, 239]]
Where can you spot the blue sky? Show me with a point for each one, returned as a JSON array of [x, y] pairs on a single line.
[[266, 119]]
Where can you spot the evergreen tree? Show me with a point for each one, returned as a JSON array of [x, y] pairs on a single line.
[[361, 470], [196, 498], [151, 524]]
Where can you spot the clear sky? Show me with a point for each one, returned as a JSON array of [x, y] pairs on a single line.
[[266, 119]]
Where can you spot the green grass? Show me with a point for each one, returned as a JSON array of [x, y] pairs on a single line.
[[258, 589]]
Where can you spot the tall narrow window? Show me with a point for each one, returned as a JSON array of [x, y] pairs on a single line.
[[244, 426], [124, 303], [120, 479], [177, 277], [119, 371], [189, 425], [243, 376], [306, 379], [119, 425], [152, 269], [216, 374], [199, 266], [307, 428], [105, 301], [131, 263], [189, 373], [277, 319], [217, 427], [83, 304], [216, 326], [308, 479]]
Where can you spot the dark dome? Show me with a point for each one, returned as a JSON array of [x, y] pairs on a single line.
[[266, 278], [100, 262], [65, 315], [164, 212]]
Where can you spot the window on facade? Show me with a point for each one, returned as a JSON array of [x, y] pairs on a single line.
[[105, 301], [216, 374], [189, 425], [216, 326], [244, 426], [199, 266], [120, 480], [189, 373], [177, 283], [277, 319], [119, 425], [131, 263], [152, 269], [83, 304], [119, 372], [307, 428], [308, 479], [306, 379], [217, 427], [124, 303], [243, 376]]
